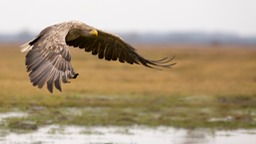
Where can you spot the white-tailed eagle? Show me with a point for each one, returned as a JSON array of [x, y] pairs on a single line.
[[48, 58]]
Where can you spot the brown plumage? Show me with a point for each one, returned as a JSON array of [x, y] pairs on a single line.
[[48, 58]]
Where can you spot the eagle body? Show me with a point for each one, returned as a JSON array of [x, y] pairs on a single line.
[[48, 58]]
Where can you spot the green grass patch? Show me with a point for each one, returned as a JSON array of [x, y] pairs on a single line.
[[221, 112]]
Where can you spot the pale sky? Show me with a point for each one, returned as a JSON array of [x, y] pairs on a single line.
[[232, 16]]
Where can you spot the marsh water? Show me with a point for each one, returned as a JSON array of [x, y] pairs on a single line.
[[54, 134]]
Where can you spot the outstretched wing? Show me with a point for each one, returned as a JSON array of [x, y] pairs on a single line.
[[48, 62], [112, 47]]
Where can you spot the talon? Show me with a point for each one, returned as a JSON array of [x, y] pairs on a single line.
[[75, 75]]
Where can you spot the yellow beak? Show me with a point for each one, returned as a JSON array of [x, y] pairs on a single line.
[[93, 32]]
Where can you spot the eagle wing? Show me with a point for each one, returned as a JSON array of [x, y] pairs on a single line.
[[48, 61], [112, 47]]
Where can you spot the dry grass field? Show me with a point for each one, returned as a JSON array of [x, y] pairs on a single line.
[[207, 85], [201, 70]]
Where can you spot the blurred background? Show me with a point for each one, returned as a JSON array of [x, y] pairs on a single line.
[[163, 21], [208, 97]]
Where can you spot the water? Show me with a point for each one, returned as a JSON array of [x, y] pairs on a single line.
[[11, 114], [54, 134]]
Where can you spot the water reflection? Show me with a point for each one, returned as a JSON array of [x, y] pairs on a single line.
[[196, 136], [127, 135]]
